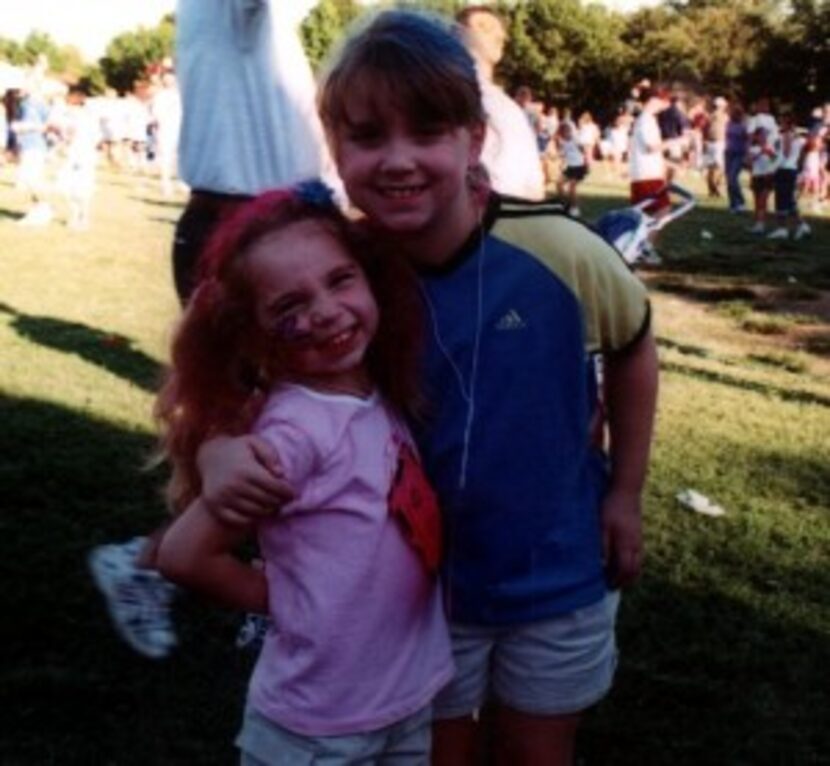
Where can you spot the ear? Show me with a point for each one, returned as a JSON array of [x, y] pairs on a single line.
[[477, 132]]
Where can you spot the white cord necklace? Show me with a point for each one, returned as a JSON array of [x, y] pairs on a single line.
[[467, 389]]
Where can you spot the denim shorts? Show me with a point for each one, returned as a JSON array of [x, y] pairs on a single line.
[[557, 666], [406, 743]]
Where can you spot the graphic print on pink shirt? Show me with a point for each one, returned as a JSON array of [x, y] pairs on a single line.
[[414, 504]]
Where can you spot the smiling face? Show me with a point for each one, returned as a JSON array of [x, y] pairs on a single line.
[[409, 178], [314, 301]]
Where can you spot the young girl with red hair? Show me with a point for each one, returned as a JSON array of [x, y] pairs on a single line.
[[290, 335]]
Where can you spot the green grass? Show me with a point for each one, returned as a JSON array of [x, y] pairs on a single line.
[[725, 643]]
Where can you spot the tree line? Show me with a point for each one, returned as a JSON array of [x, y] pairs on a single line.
[[569, 52]]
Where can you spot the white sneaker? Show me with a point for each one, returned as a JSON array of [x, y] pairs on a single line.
[[649, 255], [138, 600], [779, 233], [574, 211], [39, 215], [802, 231], [252, 631], [756, 228]]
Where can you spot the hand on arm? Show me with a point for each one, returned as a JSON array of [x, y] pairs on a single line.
[[631, 396], [197, 553], [242, 479]]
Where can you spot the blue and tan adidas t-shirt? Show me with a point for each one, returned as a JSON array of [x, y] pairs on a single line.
[[514, 320]]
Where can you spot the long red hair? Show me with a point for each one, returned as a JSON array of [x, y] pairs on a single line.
[[220, 365]]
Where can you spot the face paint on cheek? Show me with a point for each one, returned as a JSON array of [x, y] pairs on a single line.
[[287, 331]]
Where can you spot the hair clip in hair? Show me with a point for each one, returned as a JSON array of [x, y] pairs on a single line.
[[315, 192]]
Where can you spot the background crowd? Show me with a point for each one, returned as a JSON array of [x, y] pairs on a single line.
[[57, 136], [657, 135], [727, 144]]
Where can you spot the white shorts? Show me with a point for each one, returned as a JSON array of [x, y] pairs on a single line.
[[558, 666], [406, 743]]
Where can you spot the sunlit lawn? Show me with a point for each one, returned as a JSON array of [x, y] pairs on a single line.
[[725, 643]]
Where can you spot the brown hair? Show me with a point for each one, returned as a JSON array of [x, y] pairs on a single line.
[[413, 59]]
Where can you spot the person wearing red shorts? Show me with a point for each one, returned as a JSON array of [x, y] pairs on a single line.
[[647, 165]]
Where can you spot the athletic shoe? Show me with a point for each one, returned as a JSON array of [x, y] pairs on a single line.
[[649, 255], [574, 211], [137, 599], [252, 633], [756, 228], [779, 233], [802, 231], [39, 215]]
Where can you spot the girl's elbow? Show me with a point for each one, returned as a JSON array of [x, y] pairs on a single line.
[[173, 563]]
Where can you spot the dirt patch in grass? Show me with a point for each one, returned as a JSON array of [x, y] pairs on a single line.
[[799, 301], [702, 291], [793, 300], [791, 317], [810, 311]]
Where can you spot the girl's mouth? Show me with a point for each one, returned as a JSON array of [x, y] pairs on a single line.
[[340, 342], [402, 192]]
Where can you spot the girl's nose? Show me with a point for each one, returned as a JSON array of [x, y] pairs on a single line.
[[324, 310], [398, 156]]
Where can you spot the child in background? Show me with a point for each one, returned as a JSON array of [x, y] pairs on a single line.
[[574, 166], [541, 527], [763, 159], [786, 177], [587, 135], [284, 333], [80, 130]]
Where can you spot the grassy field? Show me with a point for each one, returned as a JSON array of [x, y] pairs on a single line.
[[725, 641]]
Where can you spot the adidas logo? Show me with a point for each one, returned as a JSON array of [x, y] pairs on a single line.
[[511, 321]]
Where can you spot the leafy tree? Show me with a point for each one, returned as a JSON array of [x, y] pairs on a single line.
[[128, 55], [565, 52], [795, 68], [92, 81], [63, 59], [11, 51], [325, 25], [660, 43], [729, 41]]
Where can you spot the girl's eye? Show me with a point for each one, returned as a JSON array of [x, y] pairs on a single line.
[[365, 136], [342, 278], [283, 311], [431, 131]]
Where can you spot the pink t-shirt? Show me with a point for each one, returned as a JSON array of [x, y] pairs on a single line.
[[360, 640]]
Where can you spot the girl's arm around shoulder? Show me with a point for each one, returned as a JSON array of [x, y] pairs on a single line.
[[197, 552], [242, 478]]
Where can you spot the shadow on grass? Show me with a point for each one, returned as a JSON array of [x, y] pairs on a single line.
[[696, 685], [111, 351], [703, 293], [159, 202], [786, 394], [70, 691], [684, 348], [11, 215], [168, 221]]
